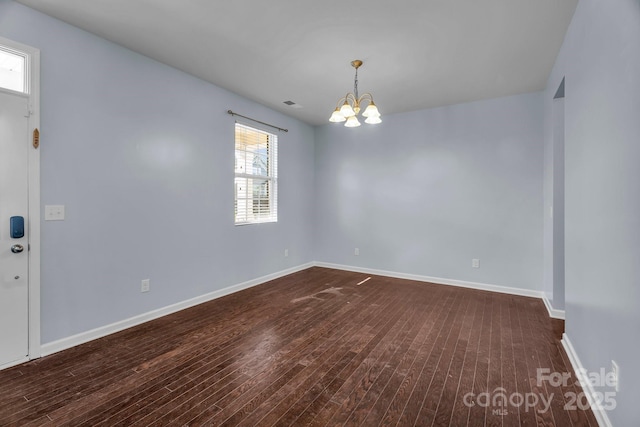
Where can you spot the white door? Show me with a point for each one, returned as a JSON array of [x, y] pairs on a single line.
[[14, 259]]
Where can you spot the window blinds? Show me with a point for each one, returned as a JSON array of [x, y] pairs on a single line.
[[256, 170]]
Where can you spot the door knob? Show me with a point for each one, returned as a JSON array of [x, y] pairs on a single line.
[[16, 249]]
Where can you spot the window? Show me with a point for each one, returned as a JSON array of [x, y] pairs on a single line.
[[13, 70], [256, 184]]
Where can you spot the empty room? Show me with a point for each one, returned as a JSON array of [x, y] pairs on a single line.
[[416, 213]]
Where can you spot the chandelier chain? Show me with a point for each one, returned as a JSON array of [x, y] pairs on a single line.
[[355, 85]]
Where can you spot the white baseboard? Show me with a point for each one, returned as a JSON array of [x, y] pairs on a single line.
[[437, 280], [83, 337], [14, 363], [553, 313], [600, 414]]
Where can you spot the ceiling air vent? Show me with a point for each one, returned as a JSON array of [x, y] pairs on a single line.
[[292, 104]]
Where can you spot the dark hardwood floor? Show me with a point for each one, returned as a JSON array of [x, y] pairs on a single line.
[[313, 348]]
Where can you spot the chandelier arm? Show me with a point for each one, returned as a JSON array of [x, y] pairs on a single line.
[[351, 97], [365, 96]]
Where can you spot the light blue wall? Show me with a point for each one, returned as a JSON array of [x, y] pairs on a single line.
[[600, 58], [141, 155], [425, 192]]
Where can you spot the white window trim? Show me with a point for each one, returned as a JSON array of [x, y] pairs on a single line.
[[272, 177]]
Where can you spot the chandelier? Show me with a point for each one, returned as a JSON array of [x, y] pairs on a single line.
[[348, 107]]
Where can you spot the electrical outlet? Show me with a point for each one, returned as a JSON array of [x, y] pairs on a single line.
[[145, 285], [286, 252], [615, 372], [356, 251], [475, 263]]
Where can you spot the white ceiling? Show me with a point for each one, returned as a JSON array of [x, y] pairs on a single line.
[[417, 53]]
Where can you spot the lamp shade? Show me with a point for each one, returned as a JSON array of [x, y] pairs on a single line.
[[346, 110], [352, 122], [371, 111], [337, 117], [372, 120]]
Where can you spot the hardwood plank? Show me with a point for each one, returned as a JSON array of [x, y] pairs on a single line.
[[354, 345], [252, 367], [464, 343], [356, 406], [493, 414], [329, 371], [415, 401], [544, 417], [478, 409], [407, 361], [252, 393], [460, 411], [125, 368], [408, 384], [311, 348], [511, 414], [442, 369]]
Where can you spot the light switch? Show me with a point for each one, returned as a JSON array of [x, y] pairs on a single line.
[[54, 213]]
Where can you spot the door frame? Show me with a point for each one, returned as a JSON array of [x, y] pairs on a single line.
[[33, 78]]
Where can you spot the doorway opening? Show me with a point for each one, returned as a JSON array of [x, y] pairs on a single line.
[[558, 198]]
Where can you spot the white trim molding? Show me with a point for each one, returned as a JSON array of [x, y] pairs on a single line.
[[599, 413], [83, 337], [553, 313], [436, 280]]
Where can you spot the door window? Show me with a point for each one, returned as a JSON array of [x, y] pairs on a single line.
[[13, 70]]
